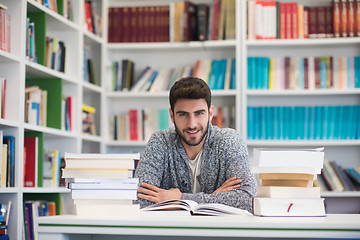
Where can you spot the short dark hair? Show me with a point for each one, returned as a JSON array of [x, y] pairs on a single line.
[[189, 88]]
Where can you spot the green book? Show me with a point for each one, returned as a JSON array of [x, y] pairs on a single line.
[[54, 98], [40, 137], [163, 119], [39, 18]]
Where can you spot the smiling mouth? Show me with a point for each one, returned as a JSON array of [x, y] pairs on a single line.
[[192, 132]]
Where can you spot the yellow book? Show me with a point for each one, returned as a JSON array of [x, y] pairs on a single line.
[[4, 165], [271, 73], [88, 109]]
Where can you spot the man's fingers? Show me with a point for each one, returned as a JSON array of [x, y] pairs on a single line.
[[147, 197], [146, 191], [149, 186]]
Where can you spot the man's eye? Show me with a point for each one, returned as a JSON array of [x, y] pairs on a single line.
[[199, 113]]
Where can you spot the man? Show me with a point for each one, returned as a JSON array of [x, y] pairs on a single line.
[[195, 160]]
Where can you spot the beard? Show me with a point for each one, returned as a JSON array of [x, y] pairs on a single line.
[[192, 141]]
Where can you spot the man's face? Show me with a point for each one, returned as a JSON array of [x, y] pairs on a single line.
[[191, 119]]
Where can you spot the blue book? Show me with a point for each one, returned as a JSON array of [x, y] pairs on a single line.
[[221, 74], [10, 171], [213, 74], [163, 119], [357, 71], [337, 119], [281, 122], [270, 123], [341, 121], [275, 119], [29, 218], [287, 122], [251, 72], [257, 125], [266, 70], [250, 121], [262, 76], [323, 78], [306, 122], [86, 68], [301, 73], [354, 121], [311, 122], [358, 123], [331, 123], [233, 74], [325, 122], [263, 123]]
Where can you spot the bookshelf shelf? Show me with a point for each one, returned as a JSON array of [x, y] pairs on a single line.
[[45, 190], [89, 87], [349, 194], [39, 71], [9, 123], [50, 132], [91, 138], [54, 19], [164, 94], [126, 143], [302, 143], [173, 45], [327, 92], [91, 37], [302, 42], [9, 190], [6, 57]]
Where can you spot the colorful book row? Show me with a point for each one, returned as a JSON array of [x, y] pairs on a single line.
[[304, 72], [91, 18], [290, 20], [138, 24], [55, 54], [5, 29], [218, 73], [138, 124], [337, 178], [303, 122], [7, 166]]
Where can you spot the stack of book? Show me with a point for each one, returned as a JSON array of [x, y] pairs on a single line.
[[286, 182], [102, 183]]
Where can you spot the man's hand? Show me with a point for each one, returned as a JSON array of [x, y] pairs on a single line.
[[229, 185], [156, 195]]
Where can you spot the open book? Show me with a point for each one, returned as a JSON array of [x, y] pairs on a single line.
[[211, 209]]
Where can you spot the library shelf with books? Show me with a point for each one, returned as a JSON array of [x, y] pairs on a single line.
[[345, 151], [64, 78]]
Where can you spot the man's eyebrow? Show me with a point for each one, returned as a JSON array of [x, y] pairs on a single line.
[[181, 112]]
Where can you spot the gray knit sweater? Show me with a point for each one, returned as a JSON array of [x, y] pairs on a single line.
[[165, 165]]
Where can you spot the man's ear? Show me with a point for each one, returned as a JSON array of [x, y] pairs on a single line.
[[211, 112], [171, 114]]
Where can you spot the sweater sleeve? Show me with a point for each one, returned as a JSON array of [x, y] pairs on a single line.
[[151, 165]]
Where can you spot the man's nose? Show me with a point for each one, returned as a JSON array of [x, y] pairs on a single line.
[[192, 121]]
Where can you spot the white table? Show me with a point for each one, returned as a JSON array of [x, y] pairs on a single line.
[[177, 225]]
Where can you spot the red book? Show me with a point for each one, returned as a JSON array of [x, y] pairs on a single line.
[[282, 21], [317, 72], [288, 18], [31, 145], [118, 26], [69, 108], [146, 35], [313, 25], [140, 24], [343, 18], [133, 125], [306, 73], [126, 27], [306, 22], [287, 72], [215, 20], [294, 21], [111, 29], [151, 31], [321, 22], [336, 17], [158, 24], [329, 30], [357, 18], [166, 13], [134, 24], [88, 19], [351, 18], [189, 18]]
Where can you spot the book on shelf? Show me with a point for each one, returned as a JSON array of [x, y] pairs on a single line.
[[138, 24], [317, 122], [5, 30], [9, 141], [88, 120], [31, 162], [98, 173], [291, 20], [92, 21], [5, 216], [194, 208]]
